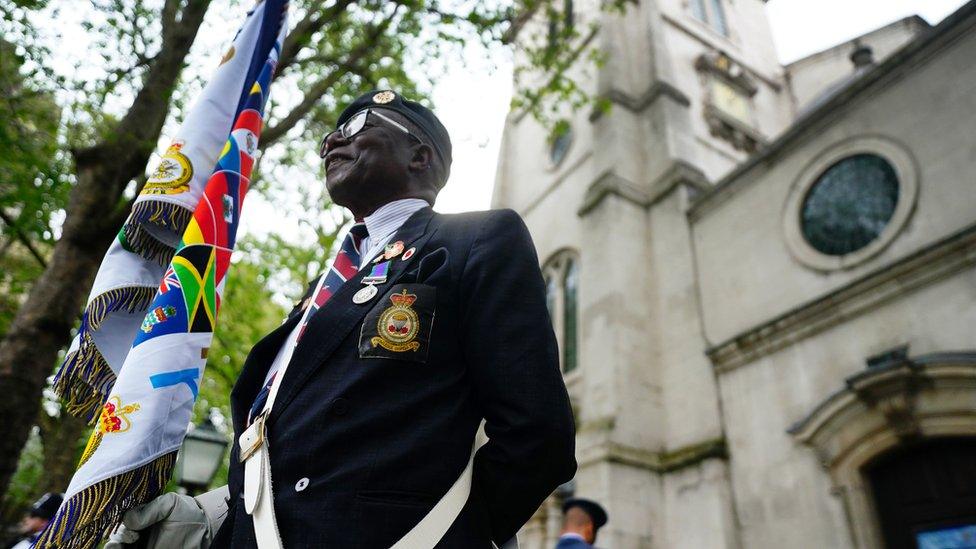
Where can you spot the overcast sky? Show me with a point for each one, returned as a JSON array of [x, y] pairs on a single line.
[[472, 102]]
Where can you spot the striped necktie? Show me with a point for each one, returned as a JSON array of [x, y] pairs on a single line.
[[344, 267]]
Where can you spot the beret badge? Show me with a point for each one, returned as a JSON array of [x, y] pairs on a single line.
[[384, 97]]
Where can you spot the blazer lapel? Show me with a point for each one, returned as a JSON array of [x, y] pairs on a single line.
[[256, 366], [333, 322]]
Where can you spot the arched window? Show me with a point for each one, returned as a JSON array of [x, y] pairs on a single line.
[[570, 314], [561, 273], [551, 292]]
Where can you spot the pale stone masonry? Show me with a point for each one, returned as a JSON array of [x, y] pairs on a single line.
[[735, 385]]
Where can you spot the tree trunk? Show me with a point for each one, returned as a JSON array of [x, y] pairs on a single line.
[[61, 438], [42, 327]]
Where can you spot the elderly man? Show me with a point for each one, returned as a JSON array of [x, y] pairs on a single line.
[[355, 419]]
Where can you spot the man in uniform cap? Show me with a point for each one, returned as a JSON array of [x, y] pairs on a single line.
[[34, 522], [357, 417], [581, 520]]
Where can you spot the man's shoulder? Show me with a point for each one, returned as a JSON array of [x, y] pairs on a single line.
[[477, 219]]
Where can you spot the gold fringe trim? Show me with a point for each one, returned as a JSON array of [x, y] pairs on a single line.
[[84, 381], [130, 300], [85, 378], [164, 215], [91, 514]]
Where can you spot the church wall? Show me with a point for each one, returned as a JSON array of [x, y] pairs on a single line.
[[783, 495], [811, 75], [747, 272]]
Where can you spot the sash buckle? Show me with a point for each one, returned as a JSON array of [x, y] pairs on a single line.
[[253, 437]]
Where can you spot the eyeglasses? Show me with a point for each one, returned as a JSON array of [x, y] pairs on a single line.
[[357, 123]]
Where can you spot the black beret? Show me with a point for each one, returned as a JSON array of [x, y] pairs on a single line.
[[47, 506], [420, 115], [592, 508]]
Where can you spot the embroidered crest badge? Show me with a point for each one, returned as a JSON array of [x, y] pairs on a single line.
[[172, 175], [113, 419], [398, 325], [157, 315]]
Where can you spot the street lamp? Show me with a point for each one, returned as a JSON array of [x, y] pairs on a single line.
[[200, 457]]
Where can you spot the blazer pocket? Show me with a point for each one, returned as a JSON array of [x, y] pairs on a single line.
[[397, 497], [399, 326]]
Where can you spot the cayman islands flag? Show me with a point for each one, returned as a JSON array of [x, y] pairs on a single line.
[[135, 367]]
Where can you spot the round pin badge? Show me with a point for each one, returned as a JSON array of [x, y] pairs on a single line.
[[364, 295], [384, 97], [408, 254]]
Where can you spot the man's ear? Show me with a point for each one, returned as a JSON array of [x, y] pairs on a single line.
[[423, 156]]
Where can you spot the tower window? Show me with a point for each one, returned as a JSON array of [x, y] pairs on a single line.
[[570, 314], [712, 13], [561, 274]]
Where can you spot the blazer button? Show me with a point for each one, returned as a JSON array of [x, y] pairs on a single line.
[[340, 406], [301, 484]]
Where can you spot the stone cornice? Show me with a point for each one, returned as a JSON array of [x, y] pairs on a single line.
[[640, 102], [666, 461], [937, 261], [775, 82], [891, 394], [609, 183]]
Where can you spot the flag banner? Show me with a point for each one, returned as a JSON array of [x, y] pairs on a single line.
[[138, 360], [130, 273]]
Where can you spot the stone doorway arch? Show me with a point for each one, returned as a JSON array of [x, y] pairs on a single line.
[[886, 407]]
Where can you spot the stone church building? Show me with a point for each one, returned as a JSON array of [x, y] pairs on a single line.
[[762, 280]]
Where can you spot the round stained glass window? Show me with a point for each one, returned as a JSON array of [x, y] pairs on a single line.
[[850, 204]]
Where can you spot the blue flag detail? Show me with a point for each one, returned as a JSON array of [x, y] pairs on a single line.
[[168, 379]]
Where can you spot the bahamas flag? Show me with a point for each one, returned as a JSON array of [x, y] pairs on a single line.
[[135, 366]]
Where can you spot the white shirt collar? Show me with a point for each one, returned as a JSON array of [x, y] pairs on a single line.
[[390, 216], [385, 221], [572, 535]]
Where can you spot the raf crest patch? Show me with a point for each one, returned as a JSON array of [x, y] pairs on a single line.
[[399, 326]]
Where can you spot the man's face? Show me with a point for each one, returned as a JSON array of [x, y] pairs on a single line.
[[32, 525], [369, 168]]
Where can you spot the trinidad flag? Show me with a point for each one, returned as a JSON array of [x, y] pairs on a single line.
[[135, 366]]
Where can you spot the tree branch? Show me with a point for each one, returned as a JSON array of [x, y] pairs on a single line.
[[272, 134], [301, 35], [23, 238]]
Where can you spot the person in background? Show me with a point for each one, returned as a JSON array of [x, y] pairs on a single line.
[[41, 512], [581, 520]]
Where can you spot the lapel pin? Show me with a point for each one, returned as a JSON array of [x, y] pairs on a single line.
[[408, 254], [393, 250]]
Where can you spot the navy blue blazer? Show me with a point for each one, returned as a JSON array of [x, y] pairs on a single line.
[[369, 430]]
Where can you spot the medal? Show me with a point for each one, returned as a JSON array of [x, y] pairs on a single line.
[[376, 276], [364, 294]]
